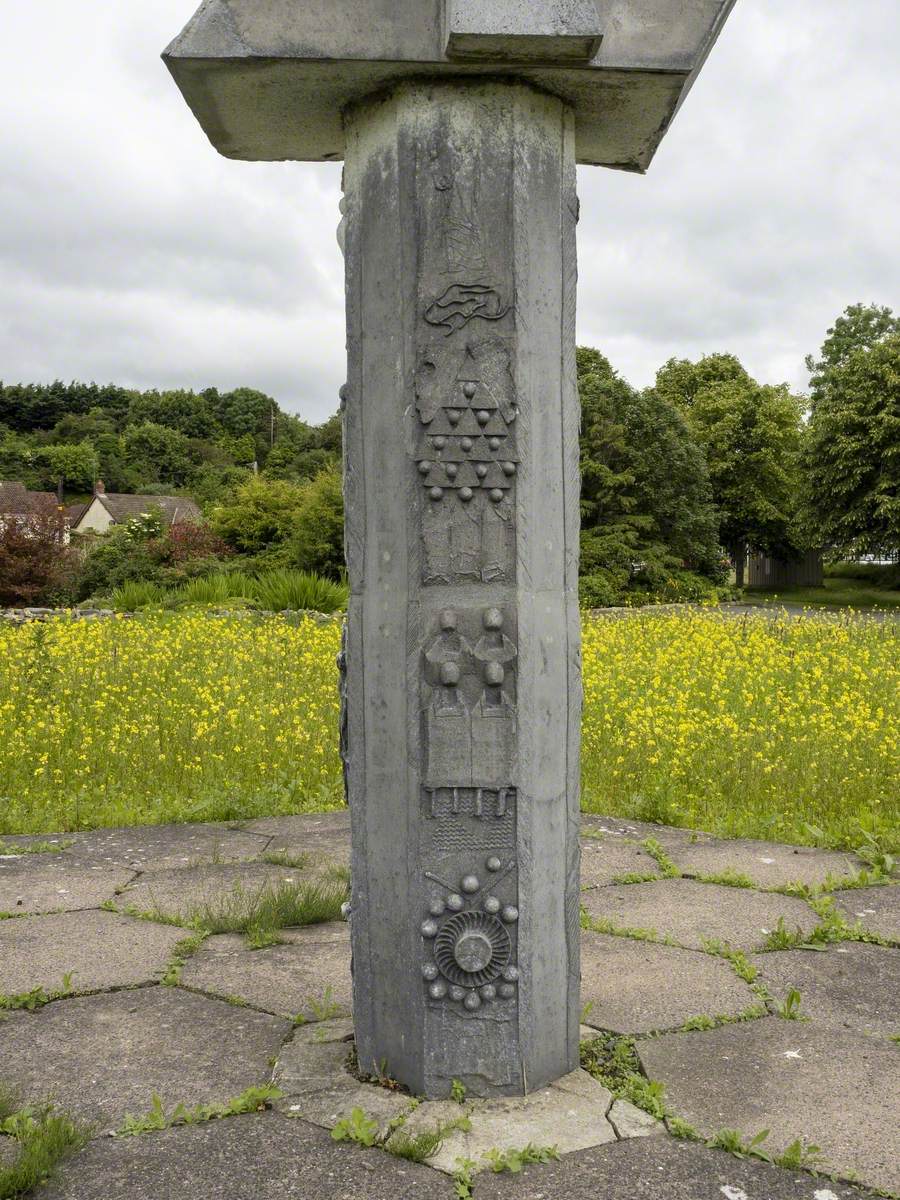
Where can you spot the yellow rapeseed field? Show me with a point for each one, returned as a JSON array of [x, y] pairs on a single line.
[[778, 728]]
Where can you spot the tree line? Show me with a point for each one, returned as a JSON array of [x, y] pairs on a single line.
[[677, 479]]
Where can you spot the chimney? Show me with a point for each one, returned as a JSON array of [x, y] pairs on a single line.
[[99, 488]]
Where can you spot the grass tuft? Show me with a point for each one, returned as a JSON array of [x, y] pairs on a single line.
[[44, 1138]]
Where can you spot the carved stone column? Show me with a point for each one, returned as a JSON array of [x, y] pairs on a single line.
[[463, 651]]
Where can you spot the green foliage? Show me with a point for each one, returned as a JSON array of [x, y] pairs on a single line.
[[789, 1009], [463, 1178], [262, 515], [136, 594], [318, 540], [44, 1137], [852, 447], [515, 1161], [262, 913], [356, 1127], [457, 1091], [76, 465], [732, 1141], [281, 590], [254, 1099], [225, 588], [666, 867], [878, 575], [422, 1146], [728, 878], [751, 437], [614, 1062], [646, 502]]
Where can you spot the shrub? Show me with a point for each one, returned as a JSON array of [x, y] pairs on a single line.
[[318, 541], [36, 565], [299, 590], [600, 589], [137, 594], [227, 588], [884, 575]]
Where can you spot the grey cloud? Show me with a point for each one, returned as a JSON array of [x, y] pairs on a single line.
[[130, 251]]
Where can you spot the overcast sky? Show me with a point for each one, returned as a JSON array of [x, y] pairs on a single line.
[[130, 252]]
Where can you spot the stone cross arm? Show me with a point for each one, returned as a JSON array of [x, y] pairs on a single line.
[[270, 79]]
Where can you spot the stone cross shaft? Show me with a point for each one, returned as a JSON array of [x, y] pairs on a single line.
[[460, 123]]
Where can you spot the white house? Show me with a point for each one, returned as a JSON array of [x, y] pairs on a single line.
[[108, 509]]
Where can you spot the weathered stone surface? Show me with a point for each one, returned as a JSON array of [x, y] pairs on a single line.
[[570, 1114], [310, 60], [151, 847], [325, 837], [105, 1056], [876, 909], [670, 837], [312, 1071], [852, 986], [659, 1169], [308, 976], [629, 1121], [688, 912], [608, 857], [463, 666], [837, 1089], [182, 893], [243, 1158], [30, 886], [97, 949], [637, 987], [768, 864]]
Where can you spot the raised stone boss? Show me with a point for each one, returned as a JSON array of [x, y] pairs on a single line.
[[460, 123]]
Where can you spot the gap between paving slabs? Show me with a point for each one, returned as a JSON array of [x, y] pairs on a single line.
[[573, 1114]]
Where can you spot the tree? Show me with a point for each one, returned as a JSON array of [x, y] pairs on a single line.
[[75, 463], [860, 327], [35, 562], [645, 489], [750, 434], [263, 515], [159, 454], [318, 542], [852, 448]]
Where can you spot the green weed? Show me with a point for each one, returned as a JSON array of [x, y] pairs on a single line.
[[357, 1127], [666, 867], [728, 878], [516, 1161], [44, 1137], [254, 1099], [457, 1091], [789, 1009], [420, 1147]]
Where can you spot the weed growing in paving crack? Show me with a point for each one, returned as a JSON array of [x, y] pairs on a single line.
[[463, 1178], [356, 1127], [326, 1009], [254, 1099], [282, 858], [515, 1161], [7, 851], [741, 964], [181, 952], [604, 925], [729, 878], [666, 867], [636, 877], [425, 1145], [612, 1060], [43, 1138], [458, 1088], [789, 1009], [37, 997]]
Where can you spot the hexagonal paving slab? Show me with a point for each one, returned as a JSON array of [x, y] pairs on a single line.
[[243, 1158], [606, 858], [835, 1088], [180, 893], [659, 1169], [309, 976], [322, 835], [688, 912], [97, 949], [637, 987], [876, 909], [152, 847], [105, 1056], [853, 985], [768, 864], [30, 886]]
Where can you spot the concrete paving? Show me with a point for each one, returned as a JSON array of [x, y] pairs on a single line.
[[31, 888], [181, 893], [838, 1089], [92, 950], [309, 976], [830, 1080], [690, 914], [852, 986], [637, 987], [876, 910], [104, 1056]]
